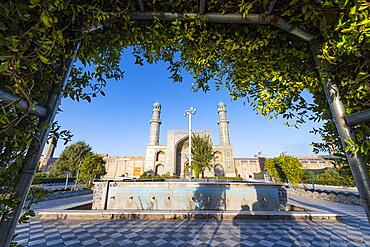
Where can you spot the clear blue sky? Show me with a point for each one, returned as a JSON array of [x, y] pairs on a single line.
[[118, 124]]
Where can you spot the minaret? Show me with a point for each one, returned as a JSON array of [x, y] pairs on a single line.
[[155, 122], [47, 159], [223, 124], [50, 150]]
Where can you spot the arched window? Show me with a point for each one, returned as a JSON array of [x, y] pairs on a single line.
[[160, 156]]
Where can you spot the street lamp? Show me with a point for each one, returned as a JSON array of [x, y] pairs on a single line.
[[189, 113]]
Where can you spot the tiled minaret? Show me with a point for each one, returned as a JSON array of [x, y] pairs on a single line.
[[155, 123], [223, 124], [47, 158]]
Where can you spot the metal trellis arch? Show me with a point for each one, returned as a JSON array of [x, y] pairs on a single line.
[[48, 112]]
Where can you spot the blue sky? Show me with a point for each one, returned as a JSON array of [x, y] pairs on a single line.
[[118, 124]]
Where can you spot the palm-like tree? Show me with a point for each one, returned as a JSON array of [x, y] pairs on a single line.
[[202, 154]]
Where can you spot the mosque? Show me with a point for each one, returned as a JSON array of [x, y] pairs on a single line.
[[172, 158]]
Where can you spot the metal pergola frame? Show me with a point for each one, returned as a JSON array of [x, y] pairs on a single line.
[[47, 113]]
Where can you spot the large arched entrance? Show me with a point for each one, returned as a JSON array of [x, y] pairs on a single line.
[[182, 153]]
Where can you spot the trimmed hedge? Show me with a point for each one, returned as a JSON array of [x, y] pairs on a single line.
[[330, 176], [51, 180]]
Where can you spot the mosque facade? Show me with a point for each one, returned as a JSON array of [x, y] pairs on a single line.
[[171, 158]]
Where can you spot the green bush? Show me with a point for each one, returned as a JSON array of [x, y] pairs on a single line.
[[92, 167], [330, 176], [45, 178], [285, 169], [71, 158], [147, 175], [260, 175]]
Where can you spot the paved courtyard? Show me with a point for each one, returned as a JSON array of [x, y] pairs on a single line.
[[353, 230]]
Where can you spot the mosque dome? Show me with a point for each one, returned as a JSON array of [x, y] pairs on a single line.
[[221, 104]]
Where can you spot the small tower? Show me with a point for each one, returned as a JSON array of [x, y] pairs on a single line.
[[223, 124], [47, 158], [155, 122], [50, 149]]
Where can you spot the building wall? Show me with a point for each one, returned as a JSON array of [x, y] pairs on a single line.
[[120, 166], [315, 162], [247, 167]]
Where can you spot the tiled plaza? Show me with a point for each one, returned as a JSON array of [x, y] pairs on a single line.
[[353, 230]]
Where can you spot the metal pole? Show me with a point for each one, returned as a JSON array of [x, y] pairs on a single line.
[[261, 19], [189, 113], [66, 186], [189, 142], [358, 118], [6, 98], [32, 158], [312, 181], [345, 132]]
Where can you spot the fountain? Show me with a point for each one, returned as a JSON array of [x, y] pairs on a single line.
[[185, 195]]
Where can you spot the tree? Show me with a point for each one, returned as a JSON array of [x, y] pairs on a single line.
[[71, 158], [285, 169], [201, 153], [92, 167]]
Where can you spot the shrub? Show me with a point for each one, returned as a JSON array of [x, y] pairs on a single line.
[[71, 158], [92, 167], [44, 178], [331, 176], [285, 169]]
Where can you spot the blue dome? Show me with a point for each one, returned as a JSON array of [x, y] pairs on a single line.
[[221, 104], [156, 104]]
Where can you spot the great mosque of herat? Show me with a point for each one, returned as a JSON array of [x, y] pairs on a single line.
[[172, 158]]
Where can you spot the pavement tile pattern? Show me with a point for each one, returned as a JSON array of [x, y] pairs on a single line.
[[353, 230]]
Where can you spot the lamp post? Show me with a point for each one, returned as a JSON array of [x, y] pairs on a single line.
[[189, 113]]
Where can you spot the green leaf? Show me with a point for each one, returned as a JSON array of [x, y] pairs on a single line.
[[3, 67], [343, 3], [44, 59], [2, 26], [46, 19], [347, 30]]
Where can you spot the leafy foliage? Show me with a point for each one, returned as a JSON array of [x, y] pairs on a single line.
[[331, 176], [92, 167], [71, 159], [201, 153], [261, 65], [147, 175], [285, 169]]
